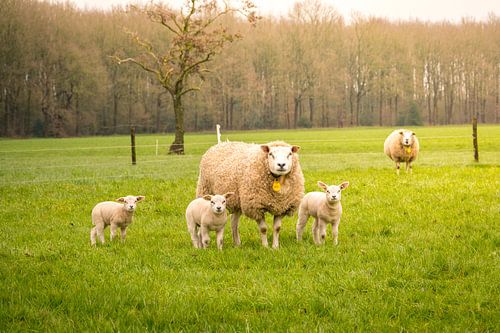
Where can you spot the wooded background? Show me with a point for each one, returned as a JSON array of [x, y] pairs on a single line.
[[309, 69]]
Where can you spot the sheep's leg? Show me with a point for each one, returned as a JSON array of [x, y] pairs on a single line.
[[410, 167], [335, 232], [205, 238], [113, 229], [322, 231], [315, 231], [235, 219], [194, 234], [301, 224], [123, 233], [220, 238], [276, 231], [263, 232], [100, 232], [397, 168], [93, 235]]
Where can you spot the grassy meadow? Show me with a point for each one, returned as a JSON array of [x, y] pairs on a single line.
[[416, 253]]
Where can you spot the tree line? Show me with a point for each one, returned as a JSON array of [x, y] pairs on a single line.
[[308, 69]]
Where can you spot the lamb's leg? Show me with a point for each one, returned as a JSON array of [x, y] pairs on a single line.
[[113, 229], [194, 234], [93, 234], [123, 233], [263, 232], [205, 238], [301, 224], [315, 231], [335, 232], [322, 231], [235, 219], [100, 231], [220, 238], [276, 231]]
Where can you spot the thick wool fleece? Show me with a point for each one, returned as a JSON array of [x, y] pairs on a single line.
[[242, 168], [395, 149]]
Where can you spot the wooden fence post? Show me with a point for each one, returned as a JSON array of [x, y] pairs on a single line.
[[132, 143], [474, 138]]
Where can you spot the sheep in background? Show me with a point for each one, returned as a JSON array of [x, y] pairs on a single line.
[[326, 209], [204, 215], [264, 178], [116, 214], [402, 146]]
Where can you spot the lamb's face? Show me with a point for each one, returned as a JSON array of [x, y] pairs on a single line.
[[218, 202], [333, 192], [280, 159], [407, 138], [130, 202]]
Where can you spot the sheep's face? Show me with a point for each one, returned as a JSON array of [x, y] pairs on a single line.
[[280, 159], [218, 202], [407, 138], [333, 192], [130, 202]]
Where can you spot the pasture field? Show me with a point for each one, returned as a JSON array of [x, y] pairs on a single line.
[[416, 253]]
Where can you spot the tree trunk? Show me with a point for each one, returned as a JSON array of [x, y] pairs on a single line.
[[115, 111], [311, 109], [177, 147]]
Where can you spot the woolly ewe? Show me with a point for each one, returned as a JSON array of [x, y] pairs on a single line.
[[204, 215], [116, 214], [264, 178], [402, 146], [326, 209]]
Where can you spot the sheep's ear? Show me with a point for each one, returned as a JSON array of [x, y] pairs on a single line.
[[228, 194], [122, 199], [265, 148], [322, 185], [207, 197], [344, 185], [295, 149], [140, 198]]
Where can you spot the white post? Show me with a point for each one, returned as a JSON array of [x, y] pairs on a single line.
[[218, 133]]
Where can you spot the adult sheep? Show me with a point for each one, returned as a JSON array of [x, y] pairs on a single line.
[[402, 146], [264, 178]]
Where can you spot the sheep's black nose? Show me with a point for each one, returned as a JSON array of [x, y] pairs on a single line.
[[281, 165]]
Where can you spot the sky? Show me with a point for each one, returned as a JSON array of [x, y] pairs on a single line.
[[426, 10]]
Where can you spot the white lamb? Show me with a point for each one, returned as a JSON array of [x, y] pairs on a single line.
[[207, 214], [325, 208], [116, 214]]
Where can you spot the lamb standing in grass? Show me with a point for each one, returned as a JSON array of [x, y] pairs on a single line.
[[402, 146], [325, 208], [264, 178], [116, 214], [204, 215]]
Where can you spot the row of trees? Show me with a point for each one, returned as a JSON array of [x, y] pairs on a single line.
[[57, 76]]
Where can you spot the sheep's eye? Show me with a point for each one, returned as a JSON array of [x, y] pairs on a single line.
[[213, 203], [328, 192], [271, 155], [224, 201]]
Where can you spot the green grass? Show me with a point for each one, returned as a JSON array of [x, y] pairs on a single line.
[[416, 253]]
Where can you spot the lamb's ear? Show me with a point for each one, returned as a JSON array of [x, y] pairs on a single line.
[[413, 133], [401, 132], [207, 197], [344, 185], [265, 148], [322, 185], [295, 149], [122, 199], [228, 194], [140, 198]]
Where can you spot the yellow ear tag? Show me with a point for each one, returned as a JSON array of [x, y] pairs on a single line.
[[276, 185], [408, 150]]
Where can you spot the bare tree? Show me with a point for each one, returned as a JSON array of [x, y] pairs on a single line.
[[194, 41]]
